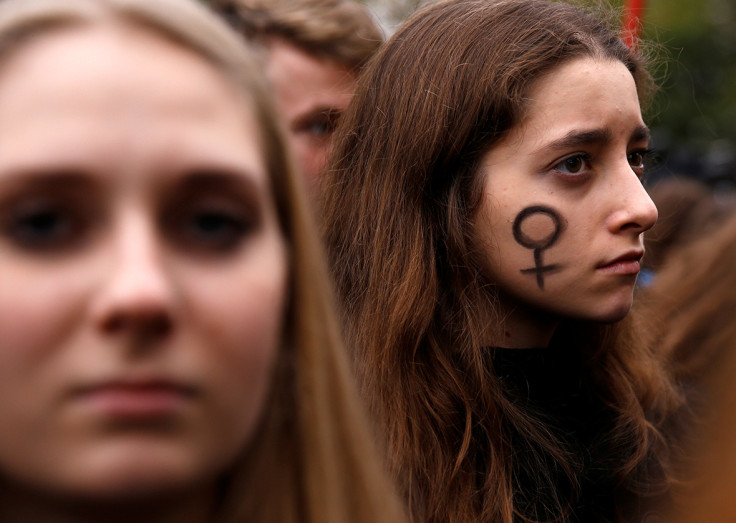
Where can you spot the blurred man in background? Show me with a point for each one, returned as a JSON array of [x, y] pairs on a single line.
[[313, 53]]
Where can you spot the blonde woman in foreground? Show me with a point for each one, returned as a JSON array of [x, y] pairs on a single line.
[[169, 349]]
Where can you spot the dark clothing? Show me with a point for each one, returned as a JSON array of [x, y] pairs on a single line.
[[554, 385]]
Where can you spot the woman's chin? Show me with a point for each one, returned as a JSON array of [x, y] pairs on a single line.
[[613, 313], [603, 311], [130, 474]]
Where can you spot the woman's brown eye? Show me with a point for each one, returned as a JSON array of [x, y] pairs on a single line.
[[574, 164], [636, 159]]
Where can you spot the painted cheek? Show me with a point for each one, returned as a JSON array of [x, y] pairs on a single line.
[[538, 228]]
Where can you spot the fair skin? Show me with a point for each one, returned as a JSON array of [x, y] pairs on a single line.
[[311, 94], [143, 276], [569, 177]]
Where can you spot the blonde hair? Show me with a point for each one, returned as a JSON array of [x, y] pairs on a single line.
[[312, 459]]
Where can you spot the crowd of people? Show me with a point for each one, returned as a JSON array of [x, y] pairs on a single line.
[[259, 263]]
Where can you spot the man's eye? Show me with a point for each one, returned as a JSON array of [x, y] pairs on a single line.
[[321, 128], [320, 125]]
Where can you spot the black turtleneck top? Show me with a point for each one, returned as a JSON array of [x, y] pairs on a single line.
[[554, 387]]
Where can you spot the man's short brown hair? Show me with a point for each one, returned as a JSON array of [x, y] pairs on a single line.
[[340, 30]]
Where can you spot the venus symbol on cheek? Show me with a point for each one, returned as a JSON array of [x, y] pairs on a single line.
[[538, 227]]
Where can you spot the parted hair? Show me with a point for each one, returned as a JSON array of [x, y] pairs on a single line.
[[343, 31], [312, 459], [399, 210]]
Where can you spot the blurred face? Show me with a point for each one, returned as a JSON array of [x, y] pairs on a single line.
[[311, 95], [564, 208], [142, 271]]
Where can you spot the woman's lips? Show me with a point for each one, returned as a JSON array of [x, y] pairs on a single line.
[[621, 267], [625, 264], [135, 400]]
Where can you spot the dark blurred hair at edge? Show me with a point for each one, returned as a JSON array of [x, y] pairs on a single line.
[[690, 309], [690, 315], [398, 214], [687, 207]]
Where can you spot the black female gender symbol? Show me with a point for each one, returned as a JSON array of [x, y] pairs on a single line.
[[538, 244]]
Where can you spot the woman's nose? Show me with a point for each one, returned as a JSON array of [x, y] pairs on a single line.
[[633, 209], [136, 296]]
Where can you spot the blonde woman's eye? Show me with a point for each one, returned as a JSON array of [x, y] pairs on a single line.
[[210, 230], [44, 226], [216, 229]]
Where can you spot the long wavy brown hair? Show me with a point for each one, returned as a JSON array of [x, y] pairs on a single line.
[[399, 213]]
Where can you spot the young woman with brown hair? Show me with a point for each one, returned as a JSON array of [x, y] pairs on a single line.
[[484, 217], [169, 349]]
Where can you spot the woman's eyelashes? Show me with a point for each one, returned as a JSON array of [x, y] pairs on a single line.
[[209, 228], [47, 224], [579, 165], [638, 160], [575, 165]]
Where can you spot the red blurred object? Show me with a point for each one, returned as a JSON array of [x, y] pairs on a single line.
[[633, 16]]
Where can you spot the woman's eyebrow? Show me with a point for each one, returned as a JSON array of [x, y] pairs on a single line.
[[641, 134], [579, 138], [66, 178], [593, 137], [236, 182]]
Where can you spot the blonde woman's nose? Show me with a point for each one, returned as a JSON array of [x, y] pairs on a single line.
[[136, 295]]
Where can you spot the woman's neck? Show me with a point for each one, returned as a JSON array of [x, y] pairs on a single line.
[[523, 326], [26, 506]]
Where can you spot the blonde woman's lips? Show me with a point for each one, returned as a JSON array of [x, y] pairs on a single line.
[[135, 399]]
